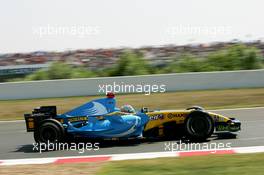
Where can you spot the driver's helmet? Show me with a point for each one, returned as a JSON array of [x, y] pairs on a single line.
[[127, 109]]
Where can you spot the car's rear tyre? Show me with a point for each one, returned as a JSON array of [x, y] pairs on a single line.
[[199, 126], [49, 130]]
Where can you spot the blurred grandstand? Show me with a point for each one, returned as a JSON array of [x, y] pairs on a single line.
[[20, 64]]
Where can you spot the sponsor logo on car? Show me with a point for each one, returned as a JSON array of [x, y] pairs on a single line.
[[218, 119], [76, 119], [174, 115], [157, 117]]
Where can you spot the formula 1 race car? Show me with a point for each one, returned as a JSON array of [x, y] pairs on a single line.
[[101, 119]]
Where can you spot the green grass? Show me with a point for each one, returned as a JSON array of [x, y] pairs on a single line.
[[199, 165], [237, 164], [210, 99]]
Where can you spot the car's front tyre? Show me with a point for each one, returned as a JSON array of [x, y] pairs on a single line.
[[199, 126]]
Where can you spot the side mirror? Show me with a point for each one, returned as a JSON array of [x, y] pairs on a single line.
[[144, 110]]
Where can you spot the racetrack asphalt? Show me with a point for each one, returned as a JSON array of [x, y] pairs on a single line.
[[16, 143]]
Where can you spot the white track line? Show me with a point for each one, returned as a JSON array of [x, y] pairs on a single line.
[[252, 149], [238, 109], [12, 121], [150, 155]]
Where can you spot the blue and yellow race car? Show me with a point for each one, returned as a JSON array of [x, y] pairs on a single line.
[[101, 119]]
